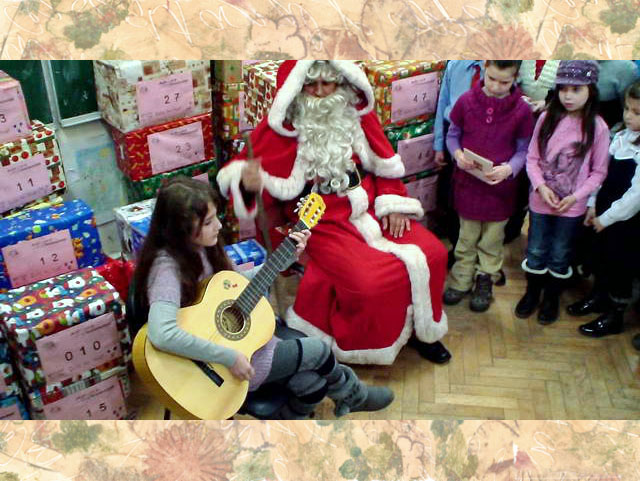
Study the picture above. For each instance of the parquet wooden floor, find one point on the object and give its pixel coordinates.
(502, 367)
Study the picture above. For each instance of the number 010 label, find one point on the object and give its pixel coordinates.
(79, 348)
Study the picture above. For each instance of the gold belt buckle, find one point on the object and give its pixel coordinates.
(359, 180)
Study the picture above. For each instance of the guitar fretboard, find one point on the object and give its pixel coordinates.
(278, 261)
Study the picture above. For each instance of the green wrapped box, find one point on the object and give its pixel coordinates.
(147, 188)
(396, 134)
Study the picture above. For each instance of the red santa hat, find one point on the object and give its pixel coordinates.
(290, 80)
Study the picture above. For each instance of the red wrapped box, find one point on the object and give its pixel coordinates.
(162, 148)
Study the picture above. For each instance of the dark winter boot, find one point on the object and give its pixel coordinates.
(609, 323)
(482, 293)
(531, 299)
(351, 395)
(548, 312)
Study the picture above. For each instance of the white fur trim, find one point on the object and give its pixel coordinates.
(396, 204)
(229, 179)
(528, 269)
(390, 168)
(295, 81)
(562, 276)
(384, 356)
(285, 188)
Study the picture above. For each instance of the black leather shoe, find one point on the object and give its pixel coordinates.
(594, 304)
(609, 323)
(636, 341)
(434, 352)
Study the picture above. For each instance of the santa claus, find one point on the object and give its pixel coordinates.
(375, 276)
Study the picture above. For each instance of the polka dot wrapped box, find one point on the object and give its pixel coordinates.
(65, 329)
(30, 169)
(12, 408)
(42, 243)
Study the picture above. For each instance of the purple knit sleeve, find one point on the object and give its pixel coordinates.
(453, 139)
(518, 159)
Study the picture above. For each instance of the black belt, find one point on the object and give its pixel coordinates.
(356, 177)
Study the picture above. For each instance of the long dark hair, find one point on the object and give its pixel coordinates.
(180, 203)
(555, 113)
(633, 92)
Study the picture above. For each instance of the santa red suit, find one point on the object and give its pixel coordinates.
(363, 291)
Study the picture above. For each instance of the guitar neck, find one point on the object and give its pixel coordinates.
(277, 262)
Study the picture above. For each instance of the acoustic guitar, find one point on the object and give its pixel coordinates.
(231, 312)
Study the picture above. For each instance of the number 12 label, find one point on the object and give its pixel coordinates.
(80, 348)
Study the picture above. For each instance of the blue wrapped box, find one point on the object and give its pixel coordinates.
(12, 408)
(133, 223)
(71, 228)
(246, 252)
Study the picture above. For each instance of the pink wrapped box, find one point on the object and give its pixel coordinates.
(424, 190)
(417, 154)
(14, 118)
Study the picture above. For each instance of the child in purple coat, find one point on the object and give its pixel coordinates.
(493, 121)
(567, 161)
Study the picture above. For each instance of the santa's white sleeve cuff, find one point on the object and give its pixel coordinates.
(229, 179)
(396, 204)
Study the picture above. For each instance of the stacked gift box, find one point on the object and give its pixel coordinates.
(160, 117)
(260, 81)
(11, 404)
(30, 165)
(69, 336)
(406, 93)
(43, 242)
(133, 223)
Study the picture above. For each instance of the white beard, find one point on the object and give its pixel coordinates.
(328, 130)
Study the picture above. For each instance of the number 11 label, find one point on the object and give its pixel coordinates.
(80, 348)
(23, 182)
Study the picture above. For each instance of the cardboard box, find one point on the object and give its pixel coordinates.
(424, 189)
(30, 169)
(162, 148)
(65, 329)
(14, 117)
(133, 94)
(42, 243)
(406, 91)
(260, 82)
(133, 223)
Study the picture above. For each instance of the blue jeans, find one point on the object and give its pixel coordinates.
(550, 246)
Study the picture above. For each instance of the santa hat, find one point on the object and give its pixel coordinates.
(290, 80)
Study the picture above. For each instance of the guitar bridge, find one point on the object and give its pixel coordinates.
(210, 372)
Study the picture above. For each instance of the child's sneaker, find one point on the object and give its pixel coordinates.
(453, 296)
(482, 293)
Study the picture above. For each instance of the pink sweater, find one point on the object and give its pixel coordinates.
(591, 171)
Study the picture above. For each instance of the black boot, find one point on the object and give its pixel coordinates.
(548, 312)
(529, 302)
(435, 352)
(482, 293)
(596, 302)
(609, 323)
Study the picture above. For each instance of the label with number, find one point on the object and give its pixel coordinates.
(10, 412)
(79, 348)
(105, 400)
(163, 99)
(175, 148)
(417, 154)
(202, 178)
(14, 122)
(36, 259)
(425, 191)
(414, 96)
(23, 182)
(243, 124)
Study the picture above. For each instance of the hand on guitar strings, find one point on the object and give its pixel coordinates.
(301, 238)
(242, 368)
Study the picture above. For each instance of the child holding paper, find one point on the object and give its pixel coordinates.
(493, 121)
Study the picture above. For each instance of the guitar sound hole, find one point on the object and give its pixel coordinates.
(231, 322)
